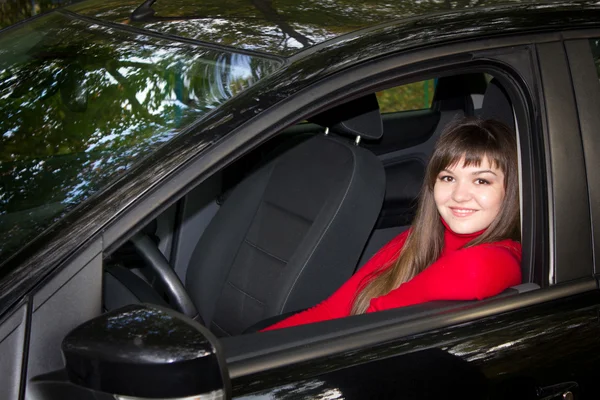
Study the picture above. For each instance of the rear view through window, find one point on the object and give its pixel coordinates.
(410, 97)
(81, 103)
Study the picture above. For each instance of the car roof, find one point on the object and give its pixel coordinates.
(282, 28)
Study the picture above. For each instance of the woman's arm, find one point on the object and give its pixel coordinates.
(473, 273)
(339, 304)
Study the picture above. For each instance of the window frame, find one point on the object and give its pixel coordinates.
(255, 353)
(373, 333)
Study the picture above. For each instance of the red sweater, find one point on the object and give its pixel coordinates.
(473, 273)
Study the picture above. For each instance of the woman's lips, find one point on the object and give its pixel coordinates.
(462, 212)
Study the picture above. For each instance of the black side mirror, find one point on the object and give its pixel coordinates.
(146, 351)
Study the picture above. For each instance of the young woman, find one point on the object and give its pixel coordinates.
(464, 241)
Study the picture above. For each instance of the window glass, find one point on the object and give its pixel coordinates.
(80, 103)
(414, 96)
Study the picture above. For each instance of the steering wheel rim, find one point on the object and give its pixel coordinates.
(158, 263)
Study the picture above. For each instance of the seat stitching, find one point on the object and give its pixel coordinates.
(293, 214)
(326, 228)
(264, 251)
(214, 309)
(243, 292)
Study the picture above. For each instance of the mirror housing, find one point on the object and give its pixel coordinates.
(148, 351)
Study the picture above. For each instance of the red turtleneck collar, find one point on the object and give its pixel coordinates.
(454, 241)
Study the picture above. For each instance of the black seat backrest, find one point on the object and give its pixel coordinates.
(289, 235)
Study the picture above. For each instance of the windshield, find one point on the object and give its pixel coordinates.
(81, 103)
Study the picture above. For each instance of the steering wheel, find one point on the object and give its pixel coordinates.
(160, 266)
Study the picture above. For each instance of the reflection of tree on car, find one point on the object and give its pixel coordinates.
(281, 25)
(84, 102)
(13, 11)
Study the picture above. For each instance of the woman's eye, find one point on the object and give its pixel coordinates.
(482, 182)
(446, 178)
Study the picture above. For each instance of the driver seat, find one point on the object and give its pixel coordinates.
(292, 232)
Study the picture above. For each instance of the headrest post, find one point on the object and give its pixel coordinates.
(358, 117)
(357, 141)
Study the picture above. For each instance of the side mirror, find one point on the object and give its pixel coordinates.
(146, 351)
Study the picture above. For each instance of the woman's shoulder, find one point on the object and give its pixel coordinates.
(511, 245)
(485, 253)
(396, 244)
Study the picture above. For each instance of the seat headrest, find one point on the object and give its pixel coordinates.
(497, 105)
(359, 117)
(454, 92)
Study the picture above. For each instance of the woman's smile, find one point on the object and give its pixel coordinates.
(462, 212)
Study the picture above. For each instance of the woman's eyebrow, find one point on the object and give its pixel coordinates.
(484, 171)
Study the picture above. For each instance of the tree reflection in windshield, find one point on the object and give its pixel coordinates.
(82, 103)
(14, 11)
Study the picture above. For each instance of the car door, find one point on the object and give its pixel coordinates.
(541, 345)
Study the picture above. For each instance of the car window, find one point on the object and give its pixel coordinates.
(81, 103)
(413, 96)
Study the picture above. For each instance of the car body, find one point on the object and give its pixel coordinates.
(541, 343)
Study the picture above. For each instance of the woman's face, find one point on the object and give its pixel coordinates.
(469, 198)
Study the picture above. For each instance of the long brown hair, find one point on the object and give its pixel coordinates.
(471, 138)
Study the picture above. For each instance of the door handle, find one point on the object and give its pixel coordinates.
(560, 391)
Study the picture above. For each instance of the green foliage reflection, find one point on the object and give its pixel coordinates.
(413, 96)
(82, 103)
(13, 11)
(274, 26)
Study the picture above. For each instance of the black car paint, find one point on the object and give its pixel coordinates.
(549, 336)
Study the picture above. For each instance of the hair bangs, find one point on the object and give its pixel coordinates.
(471, 144)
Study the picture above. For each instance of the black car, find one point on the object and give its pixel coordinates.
(177, 175)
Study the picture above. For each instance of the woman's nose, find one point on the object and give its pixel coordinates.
(461, 192)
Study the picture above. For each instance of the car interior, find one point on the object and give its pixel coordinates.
(281, 228)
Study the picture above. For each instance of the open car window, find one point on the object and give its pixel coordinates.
(409, 97)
